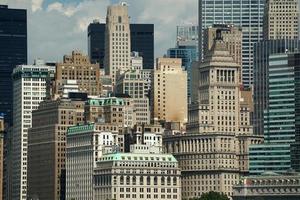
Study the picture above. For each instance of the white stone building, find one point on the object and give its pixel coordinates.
(29, 89)
(141, 174)
(85, 146)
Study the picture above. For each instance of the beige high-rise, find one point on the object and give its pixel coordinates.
(78, 67)
(169, 91)
(213, 154)
(117, 40)
(281, 19)
(47, 147)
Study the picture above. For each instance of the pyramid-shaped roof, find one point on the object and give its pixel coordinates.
(219, 56)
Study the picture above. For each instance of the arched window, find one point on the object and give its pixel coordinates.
(169, 181)
(148, 180)
(122, 180)
(155, 180)
(162, 180)
(134, 180)
(174, 181)
(127, 180)
(141, 180)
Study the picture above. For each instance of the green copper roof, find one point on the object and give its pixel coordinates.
(137, 157)
(106, 101)
(73, 130)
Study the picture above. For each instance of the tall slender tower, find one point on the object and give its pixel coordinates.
(281, 19)
(213, 154)
(13, 51)
(117, 40)
(29, 89)
(235, 12)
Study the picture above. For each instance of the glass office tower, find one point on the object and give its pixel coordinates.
(244, 13)
(280, 116)
(142, 41)
(186, 49)
(262, 51)
(13, 51)
(96, 37)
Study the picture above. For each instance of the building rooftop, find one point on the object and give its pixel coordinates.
(110, 101)
(74, 130)
(137, 157)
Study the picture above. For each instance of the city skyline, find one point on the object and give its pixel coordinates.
(93, 120)
(75, 16)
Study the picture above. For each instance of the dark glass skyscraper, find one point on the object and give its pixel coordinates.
(281, 116)
(13, 51)
(96, 38)
(262, 51)
(142, 41)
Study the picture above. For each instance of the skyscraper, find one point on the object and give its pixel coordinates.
(29, 89)
(117, 40)
(231, 35)
(96, 38)
(213, 154)
(47, 147)
(281, 19)
(141, 38)
(281, 35)
(262, 51)
(13, 51)
(2, 132)
(244, 13)
(142, 41)
(186, 48)
(169, 91)
(281, 116)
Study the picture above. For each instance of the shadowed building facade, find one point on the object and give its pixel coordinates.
(13, 51)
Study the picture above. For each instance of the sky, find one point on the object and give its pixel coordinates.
(56, 27)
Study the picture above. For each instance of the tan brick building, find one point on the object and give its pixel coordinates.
(47, 146)
(78, 67)
(169, 91)
(117, 41)
(281, 19)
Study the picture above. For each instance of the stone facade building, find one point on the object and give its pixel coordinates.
(47, 147)
(169, 91)
(133, 84)
(231, 35)
(268, 186)
(140, 174)
(77, 67)
(213, 154)
(117, 41)
(86, 144)
(281, 19)
(29, 89)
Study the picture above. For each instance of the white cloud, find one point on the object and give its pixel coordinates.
(59, 7)
(36, 5)
(58, 28)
